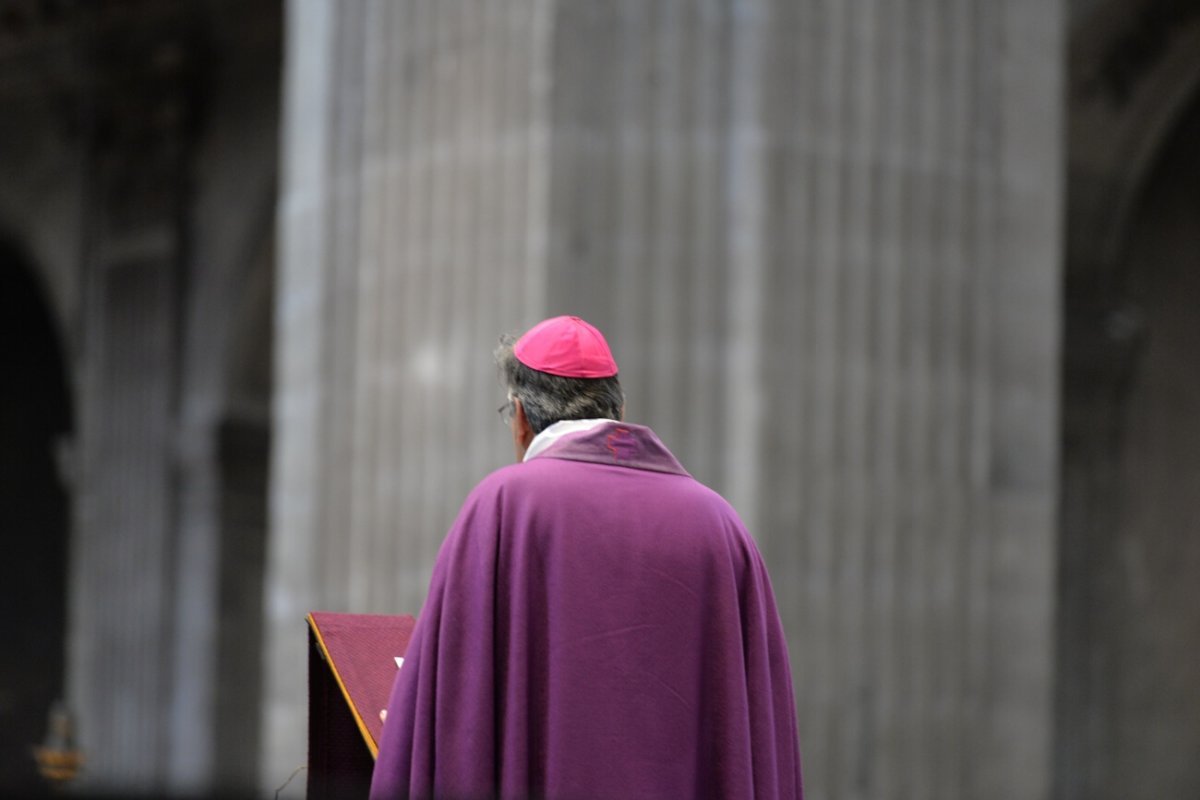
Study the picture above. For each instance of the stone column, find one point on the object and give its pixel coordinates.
(824, 240)
(412, 230)
(122, 563)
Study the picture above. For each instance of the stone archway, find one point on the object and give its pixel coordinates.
(35, 416)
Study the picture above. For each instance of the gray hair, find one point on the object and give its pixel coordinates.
(548, 399)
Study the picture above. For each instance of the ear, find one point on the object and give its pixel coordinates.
(523, 427)
(522, 431)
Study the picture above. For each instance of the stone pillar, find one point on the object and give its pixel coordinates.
(824, 240)
(223, 416)
(412, 231)
(122, 563)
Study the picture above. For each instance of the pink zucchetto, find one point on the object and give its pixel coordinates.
(567, 347)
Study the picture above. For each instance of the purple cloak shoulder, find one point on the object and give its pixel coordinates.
(598, 624)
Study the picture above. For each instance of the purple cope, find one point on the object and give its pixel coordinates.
(599, 625)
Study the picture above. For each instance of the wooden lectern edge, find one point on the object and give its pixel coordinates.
(358, 720)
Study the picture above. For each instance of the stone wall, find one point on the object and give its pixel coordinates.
(140, 159)
(1126, 708)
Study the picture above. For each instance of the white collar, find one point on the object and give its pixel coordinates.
(556, 431)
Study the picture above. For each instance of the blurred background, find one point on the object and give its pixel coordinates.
(914, 284)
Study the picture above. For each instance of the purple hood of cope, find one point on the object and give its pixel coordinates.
(598, 625)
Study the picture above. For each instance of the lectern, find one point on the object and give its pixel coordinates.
(351, 667)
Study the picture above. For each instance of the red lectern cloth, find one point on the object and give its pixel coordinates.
(361, 651)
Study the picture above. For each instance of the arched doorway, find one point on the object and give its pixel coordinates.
(35, 418)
